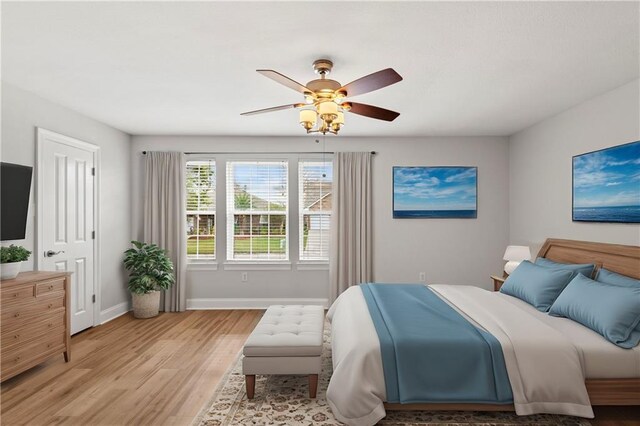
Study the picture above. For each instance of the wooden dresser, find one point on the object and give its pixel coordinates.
(35, 320)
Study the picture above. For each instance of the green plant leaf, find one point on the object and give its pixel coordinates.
(149, 268)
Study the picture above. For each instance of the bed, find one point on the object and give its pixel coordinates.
(591, 370)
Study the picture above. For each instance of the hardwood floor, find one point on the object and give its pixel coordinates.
(160, 371)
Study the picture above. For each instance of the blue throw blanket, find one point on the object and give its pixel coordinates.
(431, 353)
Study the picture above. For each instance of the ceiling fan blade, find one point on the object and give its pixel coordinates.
(276, 108)
(372, 111)
(285, 81)
(371, 82)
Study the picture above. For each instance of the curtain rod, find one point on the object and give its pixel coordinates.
(233, 153)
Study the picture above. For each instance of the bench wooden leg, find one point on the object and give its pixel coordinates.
(313, 385)
(250, 380)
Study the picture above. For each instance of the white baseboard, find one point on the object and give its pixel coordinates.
(250, 303)
(114, 312)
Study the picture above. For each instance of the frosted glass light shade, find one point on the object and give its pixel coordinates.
(517, 253)
(328, 107)
(308, 116)
(339, 119)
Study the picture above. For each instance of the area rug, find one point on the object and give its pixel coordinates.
(284, 400)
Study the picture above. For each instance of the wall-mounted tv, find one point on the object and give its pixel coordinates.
(15, 187)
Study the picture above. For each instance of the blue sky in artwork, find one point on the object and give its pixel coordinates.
(607, 178)
(434, 188)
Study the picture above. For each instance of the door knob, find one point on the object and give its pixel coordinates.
(51, 253)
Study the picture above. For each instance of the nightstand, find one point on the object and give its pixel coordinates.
(497, 282)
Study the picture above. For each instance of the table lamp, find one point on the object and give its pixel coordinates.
(514, 255)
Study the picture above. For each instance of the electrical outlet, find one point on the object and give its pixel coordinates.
(244, 276)
(422, 277)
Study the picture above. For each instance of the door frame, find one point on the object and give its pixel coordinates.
(41, 138)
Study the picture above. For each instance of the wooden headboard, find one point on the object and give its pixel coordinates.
(618, 258)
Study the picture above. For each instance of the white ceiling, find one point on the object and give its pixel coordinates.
(189, 68)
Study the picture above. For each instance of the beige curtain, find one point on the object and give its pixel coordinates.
(164, 218)
(350, 261)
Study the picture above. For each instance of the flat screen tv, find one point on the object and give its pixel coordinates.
(15, 186)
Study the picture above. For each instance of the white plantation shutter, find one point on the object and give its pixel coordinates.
(315, 180)
(201, 209)
(257, 210)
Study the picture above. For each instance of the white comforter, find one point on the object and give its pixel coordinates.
(544, 368)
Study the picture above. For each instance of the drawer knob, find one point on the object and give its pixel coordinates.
(16, 336)
(48, 345)
(50, 287)
(17, 358)
(15, 294)
(50, 305)
(17, 314)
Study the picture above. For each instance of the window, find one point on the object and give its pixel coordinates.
(201, 210)
(257, 210)
(315, 179)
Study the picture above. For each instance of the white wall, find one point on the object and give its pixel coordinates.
(22, 112)
(457, 251)
(540, 164)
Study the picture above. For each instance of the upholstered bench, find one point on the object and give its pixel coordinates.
(287, 340)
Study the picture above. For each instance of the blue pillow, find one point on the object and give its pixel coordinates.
(608, 277)
(585, 269)
(613, 311)
(536, 285)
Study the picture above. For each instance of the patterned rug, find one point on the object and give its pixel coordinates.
(284, 400)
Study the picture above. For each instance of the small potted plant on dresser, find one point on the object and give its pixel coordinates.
(150, 270)
(11, 259)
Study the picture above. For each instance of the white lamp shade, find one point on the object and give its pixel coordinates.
(328, 107)
(511, 266)
(517, 253)
(307, 116)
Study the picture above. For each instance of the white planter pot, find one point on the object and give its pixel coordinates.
(9, 271)
(146, 305)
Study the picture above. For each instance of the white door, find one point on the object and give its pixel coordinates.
(66, 218)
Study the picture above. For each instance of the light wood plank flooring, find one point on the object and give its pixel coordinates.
(160, 371)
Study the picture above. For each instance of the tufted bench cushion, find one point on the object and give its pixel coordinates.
(287, 340)
(294, 330)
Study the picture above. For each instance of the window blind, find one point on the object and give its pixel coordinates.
(315, 180)
(257, 210)
(201, 209)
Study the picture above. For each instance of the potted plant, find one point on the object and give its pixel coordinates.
(150, 270)
(11, 259)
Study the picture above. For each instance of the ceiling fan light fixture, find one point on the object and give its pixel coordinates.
(308, 118)
(338, 122)
(325, 99)
(328, 111)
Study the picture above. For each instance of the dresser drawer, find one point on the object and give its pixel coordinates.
(14, 316)
(17, 294)
(31, 352)
(21, 333)
(49, 287)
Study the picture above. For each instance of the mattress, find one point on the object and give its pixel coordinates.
(600, 358)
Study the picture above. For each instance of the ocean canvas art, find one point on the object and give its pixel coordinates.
(606, 185)
(435, 192)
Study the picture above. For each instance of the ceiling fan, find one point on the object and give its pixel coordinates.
(325, 99)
